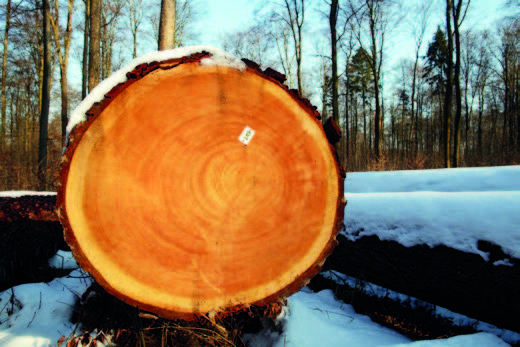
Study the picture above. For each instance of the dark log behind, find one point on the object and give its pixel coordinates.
(29, 235)
(33, 207)
(461, 282)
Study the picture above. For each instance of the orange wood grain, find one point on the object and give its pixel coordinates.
(171, 212)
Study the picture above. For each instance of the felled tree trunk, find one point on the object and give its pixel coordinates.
(198, 189)
(28, 207)
(29, 235)
(462, 282)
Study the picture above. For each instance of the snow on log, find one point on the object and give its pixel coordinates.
(199, 185)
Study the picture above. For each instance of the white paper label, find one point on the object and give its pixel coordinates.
(246, 136)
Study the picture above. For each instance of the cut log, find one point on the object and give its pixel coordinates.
(195, 188)
(28, 207)
(29, 235)
(461, 282)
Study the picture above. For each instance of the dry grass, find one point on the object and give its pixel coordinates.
(124, 325)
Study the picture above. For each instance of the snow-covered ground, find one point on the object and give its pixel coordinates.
(37, 315)
(459, 206)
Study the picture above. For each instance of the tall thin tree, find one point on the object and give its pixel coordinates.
(449, 89)
(63, 57)
(135, 18)
(333, 19)
(86, 41)
(94, 58)
(4, 74)
(457, 6)
(45, 97)
(295, 19)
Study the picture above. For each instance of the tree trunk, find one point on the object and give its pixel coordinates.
(378, 129)
(333, 16)
(458, 95)
(4, 74)
(134, 36)
(204, 207)
(63, 58)
(449, 90)
(467, 113)
(347, 118)
(167, 25)
(479, 129)
(84, 82)
(94, 58)
(413, 124)
(45, 97)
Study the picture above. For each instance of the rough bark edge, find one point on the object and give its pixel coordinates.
(133, 76)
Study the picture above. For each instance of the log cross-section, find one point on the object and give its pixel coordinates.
(170, 210)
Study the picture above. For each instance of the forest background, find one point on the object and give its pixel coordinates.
(412, 85)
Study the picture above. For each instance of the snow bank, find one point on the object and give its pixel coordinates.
(218, 58)
(453, 207)
(318, 319)
(503, 178)
(63, 260)
(480, 340)
(457, 220)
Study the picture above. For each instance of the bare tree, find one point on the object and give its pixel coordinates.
(86, 41)
(167, 25)
(333, 19)
(295, 19)
(253, 43)
(63, 56)
(94, 59)
(110, 14)
(419, 26)
(376, 15)
(449, 89)
(481, 81)
(45, 96)
(281, 34)
(4, 74)
(135, 18)
(457, 6)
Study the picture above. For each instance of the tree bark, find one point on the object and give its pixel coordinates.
(458, 95)
(236, 192)
(94, 58)
(167, 25)
(295, 21)
(86, 35)
(4, 74)
(333, 17)
(378, 127)
(63, 58)
(45, 97)
(449, 90)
